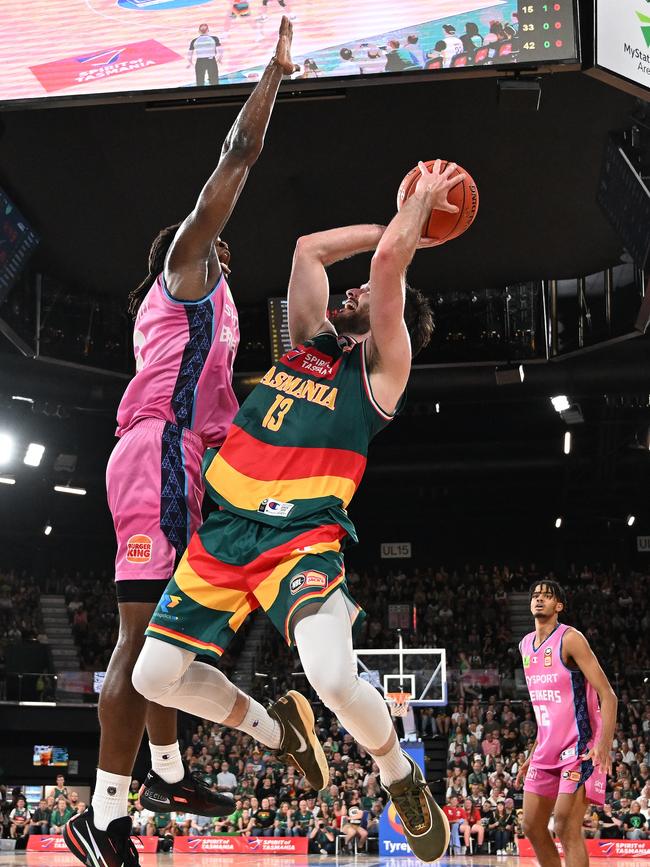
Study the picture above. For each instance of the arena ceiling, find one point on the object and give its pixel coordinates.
(97, 182)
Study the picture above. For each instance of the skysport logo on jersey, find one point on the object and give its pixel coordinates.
(93, 67)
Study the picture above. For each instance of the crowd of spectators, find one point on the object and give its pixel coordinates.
(20, 611)
(92, 611)
(489, 730)
(271, 799)
(18, 819)
(93, 615)
(20, 614)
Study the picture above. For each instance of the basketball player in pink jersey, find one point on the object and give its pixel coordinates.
(575, 709)
(179, 403)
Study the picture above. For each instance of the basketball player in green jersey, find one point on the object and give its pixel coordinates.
(283, 479)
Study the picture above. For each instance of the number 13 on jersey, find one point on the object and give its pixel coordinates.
(276, 412)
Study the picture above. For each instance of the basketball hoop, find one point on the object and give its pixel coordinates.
(398, 703)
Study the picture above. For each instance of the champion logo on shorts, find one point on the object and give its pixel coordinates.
(138, 548)
(307, 579)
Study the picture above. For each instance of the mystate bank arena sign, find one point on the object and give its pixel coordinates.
(623, 39)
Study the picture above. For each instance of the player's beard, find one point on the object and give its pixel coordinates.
(352, 321)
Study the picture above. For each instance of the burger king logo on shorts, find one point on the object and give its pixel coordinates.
(138, 549)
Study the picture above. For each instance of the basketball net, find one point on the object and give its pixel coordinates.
(398, 703)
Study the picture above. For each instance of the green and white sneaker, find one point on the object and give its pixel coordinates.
(300, 746)
(425, 825)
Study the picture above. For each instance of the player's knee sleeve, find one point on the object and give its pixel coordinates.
(324, 642)
(159, 668)
(335, 689)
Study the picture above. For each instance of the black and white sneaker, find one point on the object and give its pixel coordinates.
(190, 795)
(94, 848)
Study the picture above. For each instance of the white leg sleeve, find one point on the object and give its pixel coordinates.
(169, 676)
(324, 642)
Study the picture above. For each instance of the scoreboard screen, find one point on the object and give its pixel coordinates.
(278, 328)
(279, 324)
(55, 50)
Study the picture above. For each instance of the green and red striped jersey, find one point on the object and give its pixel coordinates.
(298, 445)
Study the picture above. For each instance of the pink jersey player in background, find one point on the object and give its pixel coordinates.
(575, 709)
(179, 403)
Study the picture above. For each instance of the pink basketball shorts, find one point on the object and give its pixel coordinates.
(155, 490)
(551, 782)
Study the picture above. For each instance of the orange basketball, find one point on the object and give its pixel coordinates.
(442, 226)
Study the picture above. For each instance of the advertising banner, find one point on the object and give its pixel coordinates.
(241, 845)
(599, 848)
(56, 843)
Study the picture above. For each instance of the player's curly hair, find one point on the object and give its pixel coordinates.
(157, 255)
(419, 319)
(549, 587)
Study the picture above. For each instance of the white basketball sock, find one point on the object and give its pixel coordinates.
(110, 798)
(258, 724)
(393, 765)
(166, 762)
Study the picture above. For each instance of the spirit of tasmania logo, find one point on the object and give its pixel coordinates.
(97, 66)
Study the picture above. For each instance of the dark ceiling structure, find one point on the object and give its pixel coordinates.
(98, 182)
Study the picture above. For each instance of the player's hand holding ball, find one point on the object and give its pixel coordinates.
(434, 185)
(453, 199)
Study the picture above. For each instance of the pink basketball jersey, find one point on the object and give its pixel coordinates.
(184, 354)
(565, 703)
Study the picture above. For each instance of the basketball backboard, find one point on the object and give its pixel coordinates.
(421, 672)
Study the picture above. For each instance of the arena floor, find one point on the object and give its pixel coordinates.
(37, 859)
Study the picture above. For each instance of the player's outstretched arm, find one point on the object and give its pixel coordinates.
(186, 268)
(308, 284)
(390, 346)
(577, 648)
